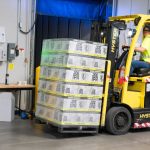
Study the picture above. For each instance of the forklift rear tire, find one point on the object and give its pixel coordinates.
(118, 120)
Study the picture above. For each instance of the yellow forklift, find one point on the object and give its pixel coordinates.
(126, 98)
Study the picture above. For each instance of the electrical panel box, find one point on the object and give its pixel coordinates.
(2, 35)
(11, 51)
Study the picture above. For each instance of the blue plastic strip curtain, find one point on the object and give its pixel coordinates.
(80, 9)
(109, 9)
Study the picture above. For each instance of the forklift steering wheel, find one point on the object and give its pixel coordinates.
(125, 48)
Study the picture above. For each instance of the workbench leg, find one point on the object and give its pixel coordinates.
(32, 103)
(19, 102)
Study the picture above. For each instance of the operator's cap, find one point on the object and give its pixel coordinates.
(146, 27)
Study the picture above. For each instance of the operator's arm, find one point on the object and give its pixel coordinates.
(145, 45)
(139, 49)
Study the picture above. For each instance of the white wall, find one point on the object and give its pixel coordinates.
(8, 19)
(149, 7)
(123, 7)
(126, 7)
(140, 7)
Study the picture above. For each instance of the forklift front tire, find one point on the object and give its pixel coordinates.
(118, 120)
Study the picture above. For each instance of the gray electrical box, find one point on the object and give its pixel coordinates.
(11, 51)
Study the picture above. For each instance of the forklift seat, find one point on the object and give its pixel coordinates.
(141, 72)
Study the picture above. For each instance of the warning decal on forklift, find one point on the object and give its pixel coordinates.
(142, 125)
(148, 88)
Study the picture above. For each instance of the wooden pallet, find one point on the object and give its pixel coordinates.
(71, 128)
(78, 129)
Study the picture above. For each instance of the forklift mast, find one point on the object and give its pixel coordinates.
(113, 49)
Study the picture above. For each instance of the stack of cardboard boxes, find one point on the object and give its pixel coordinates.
(71, 82)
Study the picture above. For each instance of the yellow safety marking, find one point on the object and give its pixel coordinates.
(10, 66)
(68, 109)
(75, 67)
(71, 81)
(70, 95)
(68, 123)
(73, 52)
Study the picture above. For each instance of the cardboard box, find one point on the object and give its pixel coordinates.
(67, 118)
(95, 91)
(73, 89)
(99, 64)
(67, 88)
(44, 59)
(76, 46)
(43, 71)
(74, 75)
(41, 97)
(69, 104)
(44, 113)
(40, 111)
(7, 106)
(73, 61)
(42, 84)
(104, 50)
(76, 118)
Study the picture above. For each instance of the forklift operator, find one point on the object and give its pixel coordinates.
(144, 61)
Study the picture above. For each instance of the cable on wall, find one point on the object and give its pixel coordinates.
(27, 32)
(20, 22)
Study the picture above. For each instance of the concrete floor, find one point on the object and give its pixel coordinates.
(26, 135)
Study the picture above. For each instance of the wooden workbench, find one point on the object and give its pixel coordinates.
(17, 87)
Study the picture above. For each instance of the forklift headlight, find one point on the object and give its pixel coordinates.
(130, 33)
(102, 34)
